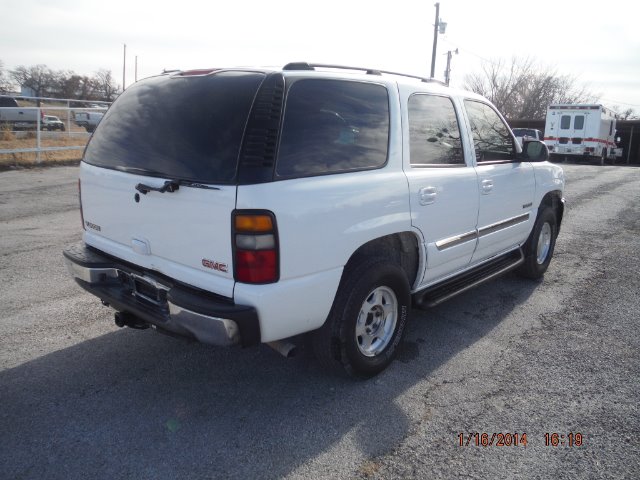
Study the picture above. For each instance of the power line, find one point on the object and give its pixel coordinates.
(463, 49)
(621, 103)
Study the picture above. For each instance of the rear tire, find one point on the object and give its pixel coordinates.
(603, 157)
(367, 320)
(540, 245)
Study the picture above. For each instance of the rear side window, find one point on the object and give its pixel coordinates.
(565, 122)
(434, 135)
(333, 126)
(578, 122)
(491, 137)
(8, 102)
(186, 128)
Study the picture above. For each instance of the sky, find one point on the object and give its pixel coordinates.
(596, 42)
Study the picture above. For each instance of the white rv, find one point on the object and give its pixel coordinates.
(587, 131)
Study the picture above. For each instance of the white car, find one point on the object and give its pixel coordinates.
(311, 199)
(527, 134)
(50, 122)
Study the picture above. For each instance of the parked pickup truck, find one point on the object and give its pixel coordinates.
(88, 120)
(311, 199)
(16, 117)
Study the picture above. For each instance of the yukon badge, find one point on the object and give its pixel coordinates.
(93, 226)
(221, 267)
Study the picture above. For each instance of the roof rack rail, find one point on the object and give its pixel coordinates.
(369, 71)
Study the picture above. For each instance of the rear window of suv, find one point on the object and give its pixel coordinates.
(178, 127)
(333, 126)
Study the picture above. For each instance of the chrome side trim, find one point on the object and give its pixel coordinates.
(502, 225)
(466, 237)
(456, 240)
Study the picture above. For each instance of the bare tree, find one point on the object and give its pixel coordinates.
(106, 86)
(625, 114)
(39, 78)
(72, 85)
(45, 82)
(522, 89)
(5, 84)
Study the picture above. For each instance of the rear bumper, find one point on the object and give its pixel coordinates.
(157, 300)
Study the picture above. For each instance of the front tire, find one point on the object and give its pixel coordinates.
(367, 320)
(540, 245)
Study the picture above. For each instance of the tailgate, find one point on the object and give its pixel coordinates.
(185, 234)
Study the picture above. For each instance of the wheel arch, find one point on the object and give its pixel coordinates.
(400, 248)
(555, 201)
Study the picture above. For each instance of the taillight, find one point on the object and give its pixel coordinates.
(255, 243)
(80, 200)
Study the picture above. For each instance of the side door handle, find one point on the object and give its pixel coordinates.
(486, 186)
(427, 195)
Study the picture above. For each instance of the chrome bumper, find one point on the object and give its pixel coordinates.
(180, 310)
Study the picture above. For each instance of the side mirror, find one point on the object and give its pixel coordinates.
(535, 151)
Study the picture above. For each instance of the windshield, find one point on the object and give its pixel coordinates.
(177, 127)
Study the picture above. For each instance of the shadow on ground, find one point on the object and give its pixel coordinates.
(133, 404)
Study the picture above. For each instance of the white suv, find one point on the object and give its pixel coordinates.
(247, 206)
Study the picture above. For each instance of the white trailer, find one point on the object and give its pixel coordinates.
(581, 130)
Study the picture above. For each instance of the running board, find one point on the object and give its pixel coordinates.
(436, 294)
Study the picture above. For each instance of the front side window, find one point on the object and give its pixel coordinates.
(565, 122)
(491, 137)
(434, 134)
(578, 122)
(333, 126)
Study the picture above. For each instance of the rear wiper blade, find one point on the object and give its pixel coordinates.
(171, 186)
(140, 171)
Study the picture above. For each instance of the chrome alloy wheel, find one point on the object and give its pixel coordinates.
(376, 321)
(544, 243)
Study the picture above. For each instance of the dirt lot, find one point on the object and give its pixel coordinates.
(83, 399)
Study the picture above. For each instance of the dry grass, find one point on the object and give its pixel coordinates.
(10, 140)
(18, 140)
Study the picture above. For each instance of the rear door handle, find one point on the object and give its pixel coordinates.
(427, 195)
(487, 186)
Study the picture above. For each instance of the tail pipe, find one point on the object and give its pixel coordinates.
(284, 348)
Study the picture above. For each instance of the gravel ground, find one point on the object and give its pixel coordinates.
(81, 398)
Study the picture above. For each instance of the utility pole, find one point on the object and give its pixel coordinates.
(435, 40)
(124, 66)
(447, 72)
